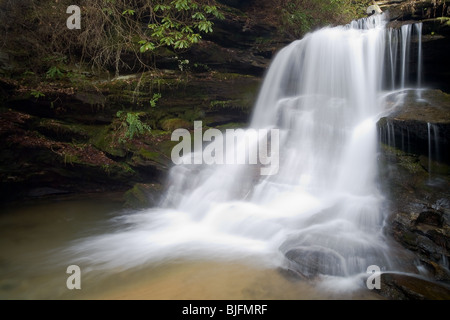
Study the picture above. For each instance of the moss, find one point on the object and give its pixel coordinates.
(193, 115)
(63, 132)
(239, 104)
(409, 238)
(232, 125)
(434, 108)
(403, 170)
(126, 168)
(434, 167)
(158, 133)
(142, 195)
(176, 123)
(147, 154)
(228, 75)
(166, 147)
(106, 141)
(70, 159)
(444, 20)
(411, 164)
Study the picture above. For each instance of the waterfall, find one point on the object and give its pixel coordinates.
(419, 59)
(433, 151)
(321, 213)
(400, 55)
(406, 33)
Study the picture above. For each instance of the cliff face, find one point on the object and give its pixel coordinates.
(62, 134)
(435, 16)
(414, 156)
(415, 175)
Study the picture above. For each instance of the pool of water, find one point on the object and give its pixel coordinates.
(34, 260)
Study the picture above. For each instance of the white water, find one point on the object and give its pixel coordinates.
(322, 209)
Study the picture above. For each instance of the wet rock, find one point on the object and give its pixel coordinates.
(415, 175)
(6, 64)
(407, 9)
(62, 132)
(431, 217)
(417, 220)
(40, 192)
(419, 122)
(143, 195)
(435, 43)
(435, 16)
(408, 287)
(312, 261)
(173, 124)
(230, 59)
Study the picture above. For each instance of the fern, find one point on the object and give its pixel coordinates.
(132, 124)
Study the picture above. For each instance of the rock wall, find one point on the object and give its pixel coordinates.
(435, 16)
(415, 175)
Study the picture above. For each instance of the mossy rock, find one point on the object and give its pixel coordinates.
(232, 125)
(176, 123)
(410, 287)
(142, 195)
(193, 115)
(144, 157)
(435, 166)
(105, 141)
(62, 132)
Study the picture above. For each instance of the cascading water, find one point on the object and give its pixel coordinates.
(321, 213)
(433, 145)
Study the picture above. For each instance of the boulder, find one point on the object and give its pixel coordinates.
(312, 261)
(410, 287)
(143, 195)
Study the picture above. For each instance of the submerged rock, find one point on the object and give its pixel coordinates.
(315, 260)
(143, 195)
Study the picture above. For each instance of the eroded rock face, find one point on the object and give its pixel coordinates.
(68, 138)
(435, 16)
(415, 177)
(413, 9)
(422, 122)
(406, 287)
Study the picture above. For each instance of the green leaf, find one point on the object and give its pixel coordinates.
(37, 94)
(205, 26)
(187, 29)
(199, 16)
(129, 12)
(181, 44)
(181, 5)
(194, 38)
(146, 46)
(168, 41)
(161, 7)
(155, 99)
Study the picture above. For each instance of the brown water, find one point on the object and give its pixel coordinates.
(32, 265)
